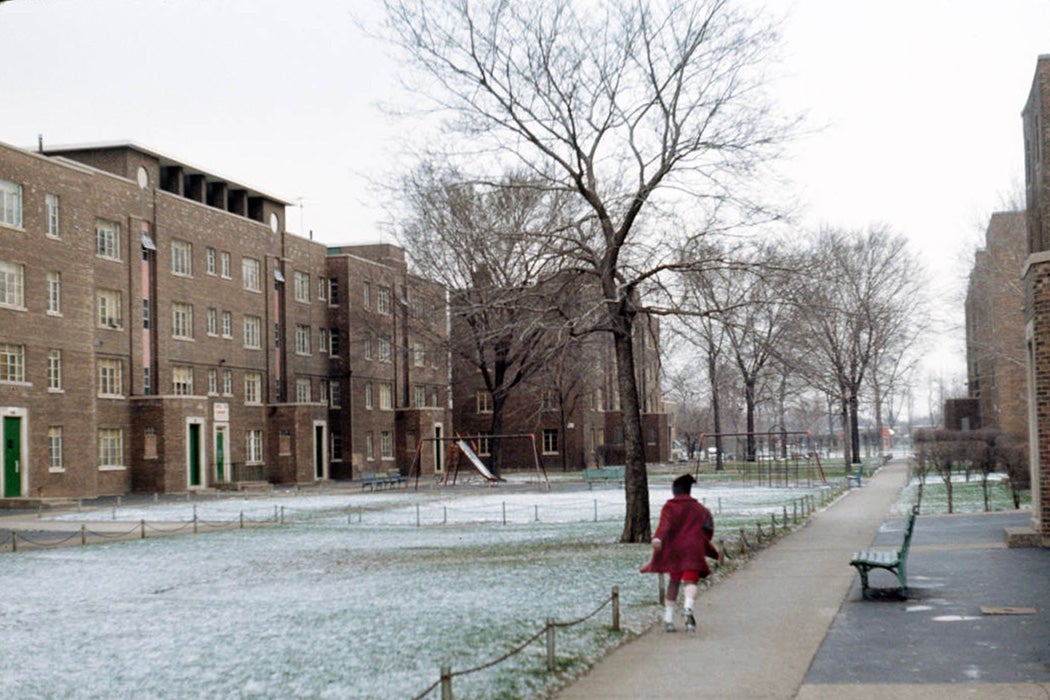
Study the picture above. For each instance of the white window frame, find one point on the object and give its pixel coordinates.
(386, 396)
(110, 378)
(107, 239)
(181, 258)
(110, 308)
(213, 382)
(212, 321)
(302, 286)
(550, 441)
(227, 382)
(12, 363)
(54, 293)
(224, 265)
(383, 297)
(420, 396)
(181, 321)
(253, 332)
(12, 284)
(253, 447)
(182, 380)
(419, 353)
(483, 398)
(209, 260)
(303, 390)
(250, 274)
(110, 448)
(302, 339)
(227, 324)
(386, 445)
(369, 396)
(54, 449)
(51, 205)
(54, 369)
(252, 388)
(384, 350)
(10, 204)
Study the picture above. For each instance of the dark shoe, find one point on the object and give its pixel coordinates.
(669, 627)
(690, 622)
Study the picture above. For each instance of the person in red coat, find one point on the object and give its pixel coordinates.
(681, 546)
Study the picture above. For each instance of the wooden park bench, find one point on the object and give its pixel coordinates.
(374, 480)
(603, 474)
(896, 562)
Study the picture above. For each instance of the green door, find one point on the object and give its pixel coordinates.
(195, 454)
(220, 454)
(12, 457)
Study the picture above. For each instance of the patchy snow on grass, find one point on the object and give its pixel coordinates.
(337, 606)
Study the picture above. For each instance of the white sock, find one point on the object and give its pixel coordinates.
(688, 606)
(669, 613)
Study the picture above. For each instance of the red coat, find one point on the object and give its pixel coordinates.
(686, 528)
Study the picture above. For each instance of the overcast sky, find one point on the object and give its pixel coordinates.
(916, 103)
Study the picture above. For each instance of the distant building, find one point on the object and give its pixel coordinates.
(161, 331)
(1036, 120)
(995, 328)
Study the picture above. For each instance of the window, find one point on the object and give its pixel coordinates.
(54, 293)
(181, 258)
(110, 311)
(303, 390)
(550, 441)
(322, 389)
(110, 447)
(182, 380)
(419, 353)
(550, 399)
(367, 299)
(209, 260)
(147, 380)
(182, 321)
(51, 205)
(224, 265)
(252, 331)
(54, 370)
(253, 447)
(337, 448)
(54, 448)
(12, 284)
(484, 400)
(322, 288)
(107, 239)
(333, 338)
(368, 346)
(10, 204)
(386, 396)
(322, 340)
(369, 403)
(335, 390)
(227, 382)
(384, 348)
(333, 291)
(370, 448)
(145, 314)
(302, 339)
(386, 445)
(421, 396)
(149, 443)
(12, 362)
(213, 382)
(252, 387)
(250, 274)
(213, 321)
(110, 378)
(484, 445)
(434, 398)
(227, 324)
(383, 299)
(302, 286)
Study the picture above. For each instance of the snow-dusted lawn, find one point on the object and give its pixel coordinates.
(350, 599)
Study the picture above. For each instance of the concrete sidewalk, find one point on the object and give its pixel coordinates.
(761, 630)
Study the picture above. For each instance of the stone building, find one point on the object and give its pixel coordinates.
(1036, 123)
(995, 335)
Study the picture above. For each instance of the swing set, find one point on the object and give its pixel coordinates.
(464, 448)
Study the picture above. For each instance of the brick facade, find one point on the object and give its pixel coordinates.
(1036, 119)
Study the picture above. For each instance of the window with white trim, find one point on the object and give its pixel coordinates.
(386, 445)
(303, 390)
(10, 203)
(253, 447)
(182, 380)
(224, 265)
(550, 441)
(484, 401)
(182, 321)
(368, 346)
(54, 292)
(366, 300)
(212, 321)
(182, 258)
(420, 396)
(213, 382)
(209, 260)
(51, 207)
(250, 274)
(302, 339)
(227, 382)
(322, 288)
(12, 362)
(252, 388)
(386, 397)
(54, 448)
(335, 391)
(383, 299)
(107, 239)
(252, 332)
(369, 400)
(302, 286)
(370, 447)
(54, 369)
(110, 309)
(227, 324)
(110, 447)
(419, 353)
(384, 352)
(322, 389)
(110, 378)
(12, 284)
(322, 340)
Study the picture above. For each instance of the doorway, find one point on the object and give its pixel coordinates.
(12, 457)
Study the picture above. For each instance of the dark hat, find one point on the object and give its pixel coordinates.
(683, 484)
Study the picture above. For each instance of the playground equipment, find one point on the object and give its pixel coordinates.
(462, 447)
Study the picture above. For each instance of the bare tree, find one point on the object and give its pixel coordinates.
(637, 108)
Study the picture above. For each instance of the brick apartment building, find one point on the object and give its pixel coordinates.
(161, 331)
(1036, 121)
(572, 407)
(995, 335)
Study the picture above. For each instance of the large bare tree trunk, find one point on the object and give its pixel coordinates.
(636, 526)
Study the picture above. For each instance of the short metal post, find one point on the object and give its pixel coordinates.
(242, 519)
(446, 683)
(418, 523)
(83, 535)
(194, 523)
(142, 529)
(536, 510)
(504, 512)
(596, 510)
(282, 515)
(14, 541)
(616, 608)
(550, 645)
